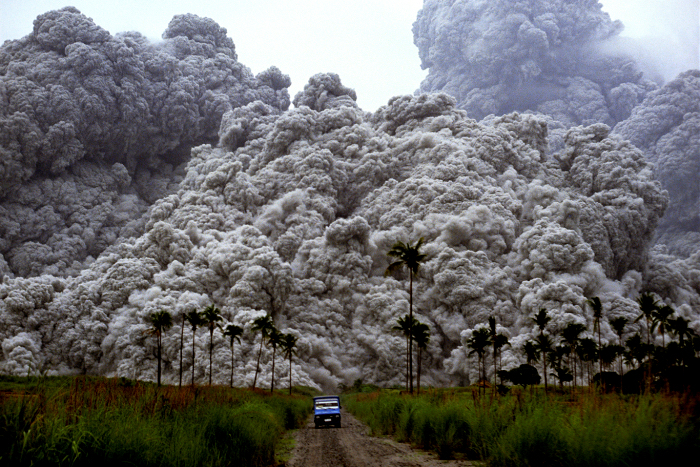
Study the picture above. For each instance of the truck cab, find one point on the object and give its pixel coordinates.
(327, 411)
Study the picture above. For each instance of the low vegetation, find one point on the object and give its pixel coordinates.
(96, 421)
(524, 429)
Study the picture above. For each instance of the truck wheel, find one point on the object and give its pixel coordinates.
(337, 424)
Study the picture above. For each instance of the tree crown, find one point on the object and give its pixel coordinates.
(407, 255)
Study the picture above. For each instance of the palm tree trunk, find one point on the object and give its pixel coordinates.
(544, 369)
(494, 368)
(257, 367)
(600, 359)
(482, 373)
(193, 335)
(231, 384)
(410, 332)
(419, 368)
(663, 337)
(211, 348)
(647, 384)
(290, 373)
(478, 373)
(182, 344)
(573, 366)
(272, 385)
(160, 346)
(406, 369)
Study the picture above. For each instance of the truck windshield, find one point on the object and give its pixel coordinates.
(327, 405)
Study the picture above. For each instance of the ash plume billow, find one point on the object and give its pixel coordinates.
(94, 128)
(666, 126)
(549, 56)
(291, 212)
(566, 60)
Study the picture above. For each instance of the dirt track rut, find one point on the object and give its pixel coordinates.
(351, 446)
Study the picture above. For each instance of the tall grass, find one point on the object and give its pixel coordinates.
(95, 421)
(538, 431)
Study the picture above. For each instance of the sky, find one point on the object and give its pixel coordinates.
(368, 43)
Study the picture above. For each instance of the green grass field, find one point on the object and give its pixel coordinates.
(521, 429)
(96, 421)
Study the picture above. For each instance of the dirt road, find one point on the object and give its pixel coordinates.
(351, 446)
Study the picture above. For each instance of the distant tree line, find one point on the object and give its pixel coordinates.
(211, 319)
(633, 364)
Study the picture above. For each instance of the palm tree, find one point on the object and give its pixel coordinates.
(618, 324)
(541, 319)
(182, 346)
(608, 355)
(587, 351)
(531, 352)
(661, 319)
(501, 340)
(233, 332)
(561, 372)
(647, 306)
(492, 336)
(545, 345)
(409, 256)
(421, 334)
(264, 325)
(288, 344)
(636, 350)
(194, 318)
(274, 339)
(160, 321)
(680, 327)
(571, 334)
(597, 308)
(686, 353)
(405, 326)
(211, 317)
(478, 343)
(533, 356)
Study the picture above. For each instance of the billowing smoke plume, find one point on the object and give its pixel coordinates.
(548, 56)
(292, 215)
(667, 127)
(94, 128)
(563, 59)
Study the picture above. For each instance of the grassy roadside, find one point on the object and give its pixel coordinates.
(533, 430)
(285, 448)
(87, 421)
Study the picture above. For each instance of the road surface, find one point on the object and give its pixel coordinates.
(351, 446)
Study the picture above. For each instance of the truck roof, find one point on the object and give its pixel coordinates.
(326, 397)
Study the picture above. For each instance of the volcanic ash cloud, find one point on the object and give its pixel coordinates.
(94, 128)
(556, 57)
(292, 215)
(667, 127)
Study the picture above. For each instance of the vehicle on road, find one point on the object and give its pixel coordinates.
(327, 411)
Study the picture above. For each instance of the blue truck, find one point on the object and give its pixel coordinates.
(327, 411)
